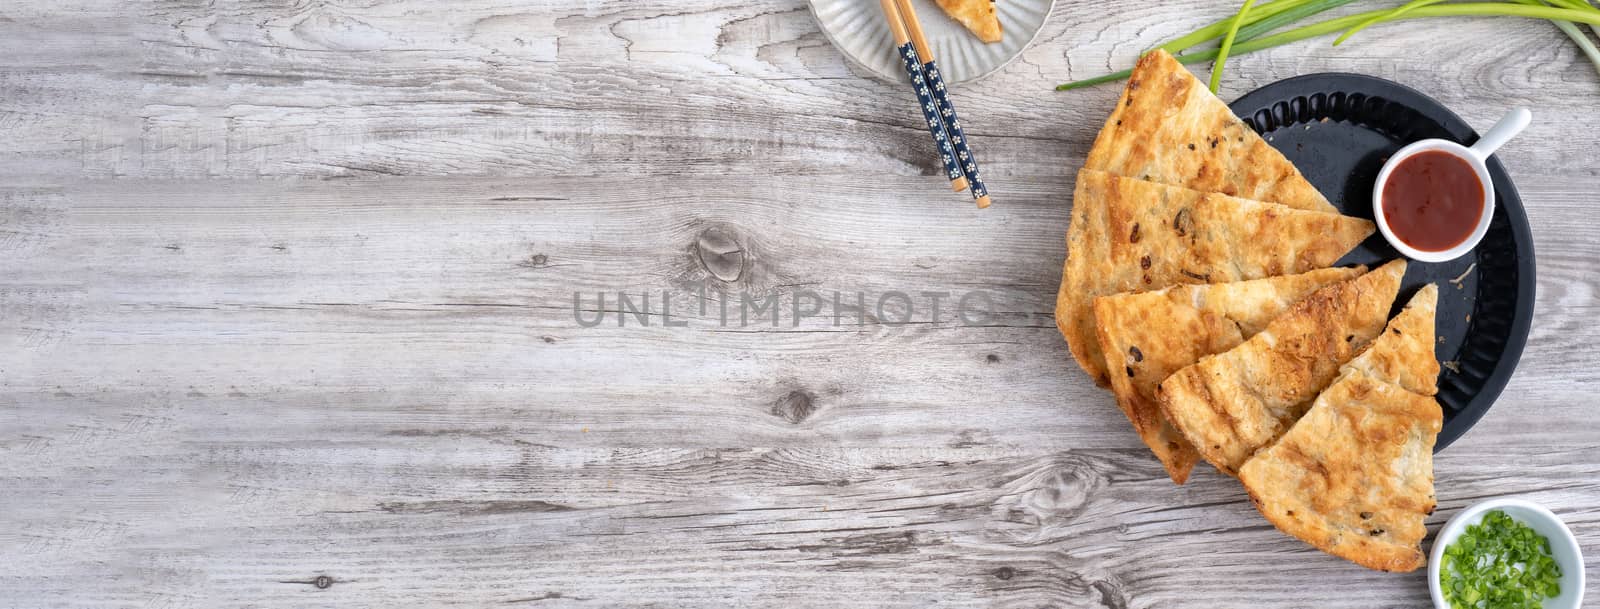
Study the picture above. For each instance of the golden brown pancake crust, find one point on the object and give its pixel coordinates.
(1354, 477)
(1231, 404)
(1130, 235)
(1167, 127)
(1403, 354)
(1153, 334)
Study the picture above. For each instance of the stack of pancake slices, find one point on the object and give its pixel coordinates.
(1199, 288)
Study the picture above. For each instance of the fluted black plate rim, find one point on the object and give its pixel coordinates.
(1338, 128)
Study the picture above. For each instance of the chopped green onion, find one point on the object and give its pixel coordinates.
(1499, 563)
(1227, 43)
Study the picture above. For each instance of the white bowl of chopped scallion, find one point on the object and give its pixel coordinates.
(1506, 553)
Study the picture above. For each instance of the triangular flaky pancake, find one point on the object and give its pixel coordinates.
(1403, 355)
(1231, 404)
(1153, 334)
(1168, 128)
(1354, 476)
(978, 16)
(1130, 235)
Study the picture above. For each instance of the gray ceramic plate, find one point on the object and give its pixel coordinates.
(858, 29)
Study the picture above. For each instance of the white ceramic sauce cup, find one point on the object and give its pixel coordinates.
(1563, 547)
(1476, 156)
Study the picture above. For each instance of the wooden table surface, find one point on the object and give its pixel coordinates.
(287, 315)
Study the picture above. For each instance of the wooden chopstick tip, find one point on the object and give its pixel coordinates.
(983, 202)
(908, 14)
(897, 24)
(958, 184)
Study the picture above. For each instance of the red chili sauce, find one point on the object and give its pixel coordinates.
(1433, 200)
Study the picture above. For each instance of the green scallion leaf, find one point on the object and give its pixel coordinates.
(1216, 29)
(1574, 33)
(1342, 23)
(1401, 10)
(1255, 28)
(1227, 44)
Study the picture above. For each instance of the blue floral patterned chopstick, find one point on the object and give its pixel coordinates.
(930, 113)
(958, 138)
(930, 84)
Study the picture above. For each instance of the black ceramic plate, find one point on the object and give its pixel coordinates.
(1339, 129)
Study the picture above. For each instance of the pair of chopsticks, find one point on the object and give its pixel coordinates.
(959, 163)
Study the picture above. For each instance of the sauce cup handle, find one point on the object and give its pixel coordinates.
(1509, 126)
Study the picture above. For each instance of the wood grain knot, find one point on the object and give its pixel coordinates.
(1005, 573)
(322, 581)
(795, 406)
(721, 253)
(1065, 491)
(1110, 595)
(535, 261)
(1056, 491)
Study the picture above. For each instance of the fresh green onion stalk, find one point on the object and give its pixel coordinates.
(1227, 45)
(1248, 26)
(1572, 31)
(1403, 9)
